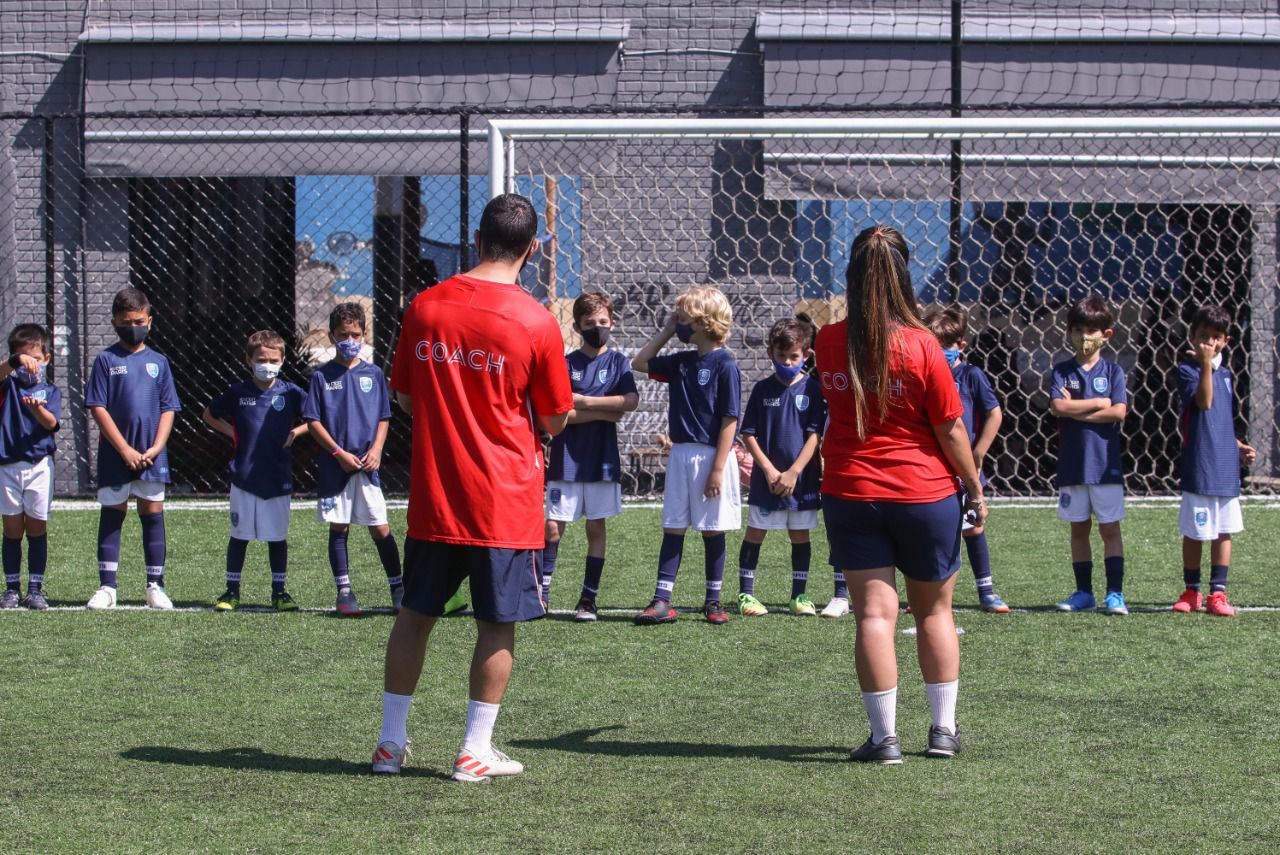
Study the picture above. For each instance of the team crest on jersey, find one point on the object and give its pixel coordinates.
(574, 374)
(366, 384)
(602, 375)
(40, 395)
(704, 376)
(802, 402)
(1202, 517)
(1100, 385)
(277, 403)
(153, 369)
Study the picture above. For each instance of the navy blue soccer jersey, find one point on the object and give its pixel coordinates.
(1088, 453)
(22, 438)
(782, 418)
(1210, 462)
(976, 394)
(134, 389)
(703, 390)
(589, 451)
(349, 402)
(262, 421)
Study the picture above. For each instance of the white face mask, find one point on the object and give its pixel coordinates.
(1217, 362)
(265, 371)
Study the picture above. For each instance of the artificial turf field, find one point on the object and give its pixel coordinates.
(137, 731)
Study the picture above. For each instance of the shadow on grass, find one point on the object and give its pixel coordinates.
(262, 761)
(585, 742)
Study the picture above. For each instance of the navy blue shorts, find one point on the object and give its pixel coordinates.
(504, 582)
(921, 540)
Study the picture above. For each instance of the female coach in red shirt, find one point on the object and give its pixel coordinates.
(892, 450)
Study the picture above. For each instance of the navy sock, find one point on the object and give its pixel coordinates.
(12, 559)
(980, 563)
(278, 556)
(110, 523)
(714, 546)
(338, 559)
(801, 553)
(668, 565)
(550, 554)
(748, 559)
(842, 587)
(1084, 575)
(236, 549)
(1115, 573)
(37, 560)
(1217, 577)
(591, 581)
(389, 555)
(153, 546)
(1191, 578)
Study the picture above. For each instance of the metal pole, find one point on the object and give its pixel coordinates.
(497, 160)
(464, 192)
(955, 209)
(549, 251)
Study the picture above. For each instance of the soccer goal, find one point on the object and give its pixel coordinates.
(1011, 218)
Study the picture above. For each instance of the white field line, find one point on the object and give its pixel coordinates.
(569, 612)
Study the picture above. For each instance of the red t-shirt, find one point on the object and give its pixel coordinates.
(479, 359)
(900, 460)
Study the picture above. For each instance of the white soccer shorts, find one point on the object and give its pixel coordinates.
(360, 503)
(784, 520)
(151, 491)
(26, 488)
(1079, 502)
(1206, 517)
(256, 518)
(684, 506)
(568, 501)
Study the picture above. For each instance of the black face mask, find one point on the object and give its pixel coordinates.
(133, 334)
(596, 336)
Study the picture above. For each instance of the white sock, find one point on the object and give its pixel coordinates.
(882, 711)
(395, 718)
(942, 701)
(480, 721)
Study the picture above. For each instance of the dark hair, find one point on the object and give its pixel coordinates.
(347, 313)
(507, 227)
(129, 300)
(949, 325)
(881, 300)
(790, 332)
(1091, 313)
(1214, 318)
(589, 304)
(263, 338)
(24, 335)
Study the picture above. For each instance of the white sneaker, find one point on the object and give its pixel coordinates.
(388, 758)
(157, 598)
(837, 608)
(103, 598)
(477, 767)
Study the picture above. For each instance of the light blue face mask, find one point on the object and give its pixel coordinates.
(952, 354)
(26, 378)
(787, 373)
(349, 349)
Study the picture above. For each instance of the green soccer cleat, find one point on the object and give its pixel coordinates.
(455, 604)
(282, 602)
(228, 602)
(802, 606)
(749, 606)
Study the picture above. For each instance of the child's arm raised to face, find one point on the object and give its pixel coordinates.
(1203, 355)
(41, 414)
(651, 347)
(107, 427)
(724, 449)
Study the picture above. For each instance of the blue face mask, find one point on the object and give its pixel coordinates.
(952, 354)
(348, 349)
(787, 373)
(26, 378)
(684, 332)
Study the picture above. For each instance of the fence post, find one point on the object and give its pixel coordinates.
(1263, 382)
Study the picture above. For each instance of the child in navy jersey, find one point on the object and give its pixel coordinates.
(1088, 396)
(780, 428)
(262, 417)
(1210, 462)
(584, 468)
(982, 418)
(30, 409)
(132, 399)
(348, 411)
(701, 489)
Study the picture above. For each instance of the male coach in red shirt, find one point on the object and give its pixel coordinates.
(477, 363)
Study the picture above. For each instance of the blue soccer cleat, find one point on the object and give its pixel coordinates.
(1080, 601)
(1114, 604)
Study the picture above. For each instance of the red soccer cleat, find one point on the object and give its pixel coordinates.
(715, 612)
(659, 611)
(1218, 605)
(1190, 601)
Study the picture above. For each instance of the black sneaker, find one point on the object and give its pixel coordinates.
(887, 753)
(585, 612)
(35, 601)
(10, 599)
(943, 743)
